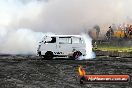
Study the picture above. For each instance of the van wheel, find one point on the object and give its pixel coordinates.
(77, 54)
(48, 55)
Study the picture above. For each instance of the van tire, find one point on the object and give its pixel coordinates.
(76, 54)
(48, 55)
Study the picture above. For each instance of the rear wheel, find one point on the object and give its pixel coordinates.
(48, 55)
(77, 54)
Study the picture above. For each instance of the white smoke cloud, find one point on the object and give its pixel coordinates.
(62, 15)
(57, 16)
(14, 37)
(89, 52)
(21, 41)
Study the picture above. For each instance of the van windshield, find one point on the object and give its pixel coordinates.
(51, 40)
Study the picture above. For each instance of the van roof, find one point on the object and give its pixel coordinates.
(64, 35)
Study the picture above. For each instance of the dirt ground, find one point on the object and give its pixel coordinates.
(32, 72)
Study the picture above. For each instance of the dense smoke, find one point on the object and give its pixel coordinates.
(21, 21)
(89, 52)
(62, 15)
(21, 41)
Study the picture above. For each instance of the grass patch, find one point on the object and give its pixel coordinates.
(104, 47)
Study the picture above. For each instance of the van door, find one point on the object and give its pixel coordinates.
(50, 44)
(65, 45)
(78, 44)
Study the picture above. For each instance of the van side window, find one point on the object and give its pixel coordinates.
(64, 40)
(76, 40)
(53, 40)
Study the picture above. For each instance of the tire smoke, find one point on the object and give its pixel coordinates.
(89, 52)
(20, 41)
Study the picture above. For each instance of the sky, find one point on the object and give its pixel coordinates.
(23, 22)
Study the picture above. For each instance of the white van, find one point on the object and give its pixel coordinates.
(62, 46)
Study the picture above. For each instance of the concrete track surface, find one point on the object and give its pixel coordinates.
(32, 72)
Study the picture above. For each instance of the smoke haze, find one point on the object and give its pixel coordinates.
(21, 41)
(22, 21)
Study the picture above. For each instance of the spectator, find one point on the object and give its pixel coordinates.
(130, 30)
(97, 30)
(111, 32)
